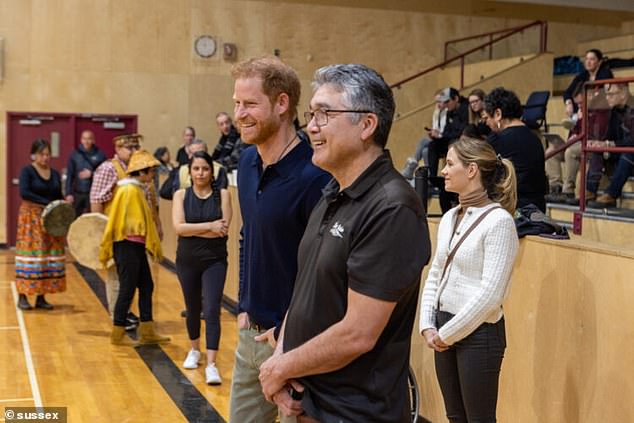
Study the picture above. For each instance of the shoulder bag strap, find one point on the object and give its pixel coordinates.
(452, 253)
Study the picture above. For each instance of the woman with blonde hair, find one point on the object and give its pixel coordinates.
(461, 304)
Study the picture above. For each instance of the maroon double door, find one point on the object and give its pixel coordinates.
(63, 131)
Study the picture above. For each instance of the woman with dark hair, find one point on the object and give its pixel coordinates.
(516, 142)
(595, 68)
(201, 215)
(162, 154)
(39, 257)
(461, 314)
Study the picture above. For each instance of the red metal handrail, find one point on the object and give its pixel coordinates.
(461, 56)
(490, 36)
(585, 149)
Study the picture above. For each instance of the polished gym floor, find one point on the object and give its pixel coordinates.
(63, 357)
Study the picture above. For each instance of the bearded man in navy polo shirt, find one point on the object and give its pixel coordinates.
(278, 187)
(347, 334)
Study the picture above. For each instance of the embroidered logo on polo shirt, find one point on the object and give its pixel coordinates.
(337, 230)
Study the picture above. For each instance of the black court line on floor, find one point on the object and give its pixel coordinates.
(185, 395)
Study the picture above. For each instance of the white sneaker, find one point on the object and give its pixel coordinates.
(212, 376)
(191, 362)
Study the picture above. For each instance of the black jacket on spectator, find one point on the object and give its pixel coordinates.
(621, 124)
(225, 145)
(522, 147)
(457, 119)
(79, 160)
(181, 156)
(604, 72)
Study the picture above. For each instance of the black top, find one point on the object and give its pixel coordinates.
(604, 72)
(181, 156)
(457, 119)
(520, 145)
(372, 238)
(79, 160)
(621, 124)
(194, 249)
(37, 189)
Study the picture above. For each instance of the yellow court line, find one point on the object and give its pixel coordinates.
(35, 390)
(9, 327)
(16, 400)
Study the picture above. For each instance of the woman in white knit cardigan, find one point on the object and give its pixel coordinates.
(461, 312)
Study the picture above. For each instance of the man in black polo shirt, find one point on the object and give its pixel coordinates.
(346, 336)
(278, 187)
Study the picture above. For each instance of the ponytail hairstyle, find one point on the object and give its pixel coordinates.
(206, 157)
(496, 174)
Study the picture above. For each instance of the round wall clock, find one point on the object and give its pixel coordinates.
(205, 46)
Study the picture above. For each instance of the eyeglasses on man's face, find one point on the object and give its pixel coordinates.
(321, 115)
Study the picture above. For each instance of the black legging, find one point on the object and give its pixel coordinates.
(468, 373)
(134, 272)
(209, 280)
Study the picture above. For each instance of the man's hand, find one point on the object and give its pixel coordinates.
(271, 379)
(243, 320)
(434, 133)
(288, 406)
(269, 336)
(69, 199)
(570, 108)
(85, 174)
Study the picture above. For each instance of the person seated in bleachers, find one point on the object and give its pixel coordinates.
(439, 120)
(595, 68)
(476, 106)
(620, 133)
(457, 118)
(562, 189)
(516, 142)
(598, 114)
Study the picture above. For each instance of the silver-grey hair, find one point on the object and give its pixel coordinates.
(199, 141)
(363, 89)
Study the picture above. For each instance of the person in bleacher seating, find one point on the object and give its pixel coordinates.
(516, 142)
(562, 189)
(620, 127)
(596, 68)
(597, 116)
(476, 106)
(438, 122)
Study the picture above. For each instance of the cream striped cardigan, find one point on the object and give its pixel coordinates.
(478, 278)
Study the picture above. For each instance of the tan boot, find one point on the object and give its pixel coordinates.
(147, 334)
(118, 337)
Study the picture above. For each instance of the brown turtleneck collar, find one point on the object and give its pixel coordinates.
(477, 198)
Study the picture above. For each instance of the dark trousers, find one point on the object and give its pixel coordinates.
(197, 281)
(468, 373)
(596, 167)
(437, 149)
(134, 272)
(81, 202)
(623, 170)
